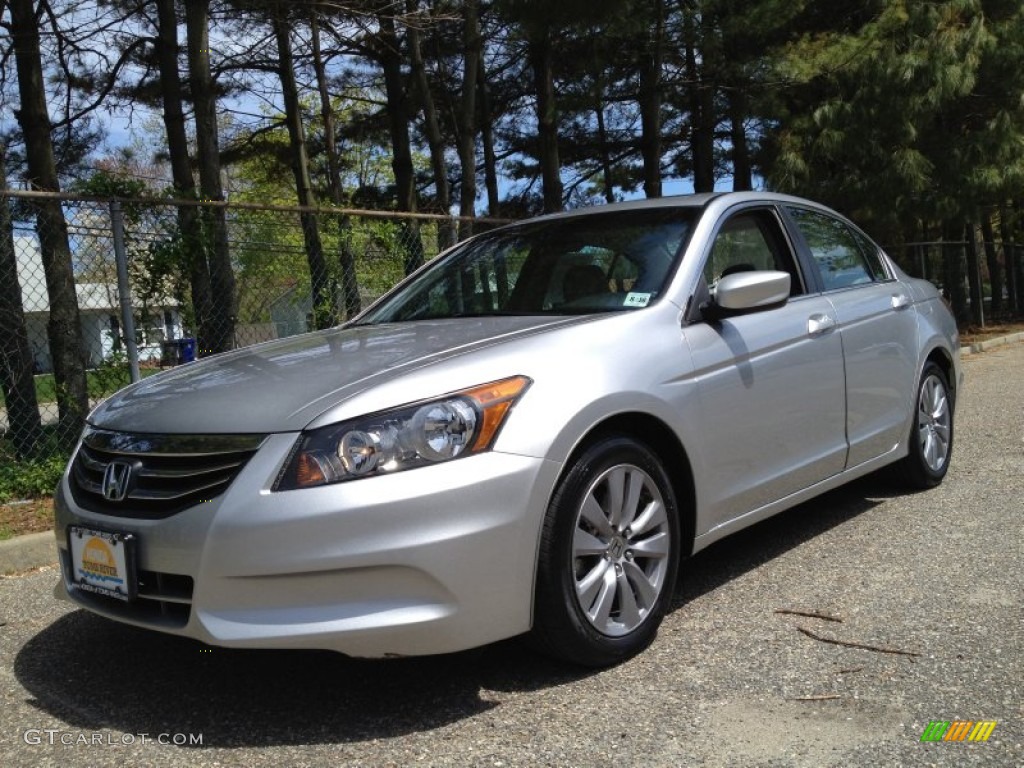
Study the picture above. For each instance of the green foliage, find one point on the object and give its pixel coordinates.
(34, 477)
(108, 183)
(913, 116)
(30, 479)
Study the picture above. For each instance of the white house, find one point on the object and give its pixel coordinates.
(100, 312)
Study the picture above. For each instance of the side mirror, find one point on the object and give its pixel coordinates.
(750, 291)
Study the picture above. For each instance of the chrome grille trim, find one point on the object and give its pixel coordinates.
(169, 473)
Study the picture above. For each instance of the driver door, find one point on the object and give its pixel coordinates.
(770, 383)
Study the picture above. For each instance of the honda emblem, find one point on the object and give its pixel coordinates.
(116, 477)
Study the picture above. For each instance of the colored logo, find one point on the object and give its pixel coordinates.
(98, 561)
(115, 480)
(958, 730)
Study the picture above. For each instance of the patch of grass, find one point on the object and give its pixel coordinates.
(27, 485)
(100, 381)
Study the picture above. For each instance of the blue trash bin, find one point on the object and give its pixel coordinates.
(188, 349)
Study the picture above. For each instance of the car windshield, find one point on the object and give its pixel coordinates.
(607, 262)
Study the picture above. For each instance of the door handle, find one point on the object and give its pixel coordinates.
(900, 301)
(818, 324)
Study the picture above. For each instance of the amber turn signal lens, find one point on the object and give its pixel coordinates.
(308, 471)
(494, 401)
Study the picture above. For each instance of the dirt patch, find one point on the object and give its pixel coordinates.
(816, 733)
(974, 334)
(20, 517)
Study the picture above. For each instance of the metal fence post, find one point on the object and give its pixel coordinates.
(124, 289)
(453, 233)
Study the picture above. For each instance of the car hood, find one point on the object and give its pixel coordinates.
(281, 386)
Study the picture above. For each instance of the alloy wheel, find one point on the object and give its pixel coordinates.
(621, 546)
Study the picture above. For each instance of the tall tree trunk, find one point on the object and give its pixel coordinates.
(472, 48)
(346, 259)
(431, 124)
(1017, 238)
(1013, 288)
(323, 293)
(487, 139)
(953, 270)
(541, 55)
(602, 141)
(697, 28)
(64, 329)
(181, 171)
(974, 276)
(204, 102)
(16, 364)
(650, 102)
(597, 101)
(401, 145)
(995, 274)
(742, 175)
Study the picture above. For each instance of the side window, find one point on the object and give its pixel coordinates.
(838, 251)
(871, 254)
(750, 241)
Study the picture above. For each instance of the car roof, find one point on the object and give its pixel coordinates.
(700, 200)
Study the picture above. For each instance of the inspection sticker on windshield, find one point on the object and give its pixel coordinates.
(637, 300)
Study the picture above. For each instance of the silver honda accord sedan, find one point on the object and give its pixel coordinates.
(524, 437)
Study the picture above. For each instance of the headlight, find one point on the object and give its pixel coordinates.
(414, 435)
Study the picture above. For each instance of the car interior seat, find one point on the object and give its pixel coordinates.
(583, 280)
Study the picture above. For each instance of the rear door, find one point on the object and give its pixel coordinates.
(770, 382)
(876, 324)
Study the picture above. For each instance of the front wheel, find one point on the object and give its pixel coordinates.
(931, 437)
(609, 555)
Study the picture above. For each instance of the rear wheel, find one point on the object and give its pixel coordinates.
(931, 438)
(609, 555)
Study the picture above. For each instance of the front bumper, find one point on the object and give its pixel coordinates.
(430, 560)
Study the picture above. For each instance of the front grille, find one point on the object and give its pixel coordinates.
(155, 476)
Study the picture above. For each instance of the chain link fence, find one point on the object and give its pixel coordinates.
(138, 286)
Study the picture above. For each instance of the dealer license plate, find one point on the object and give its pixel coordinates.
(103, 562)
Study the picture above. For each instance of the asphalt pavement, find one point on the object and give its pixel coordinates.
(926, 588)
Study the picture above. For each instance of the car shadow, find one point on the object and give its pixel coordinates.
(98, 675)
(750, 548)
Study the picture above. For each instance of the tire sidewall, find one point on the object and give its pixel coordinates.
(925, 475)
(558, 614)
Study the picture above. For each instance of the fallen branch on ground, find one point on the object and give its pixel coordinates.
(863, 647)
(809, 615)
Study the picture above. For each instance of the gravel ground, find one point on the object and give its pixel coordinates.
(729, 681)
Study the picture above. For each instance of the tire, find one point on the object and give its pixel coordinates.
(607, 569)
(930, 445)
